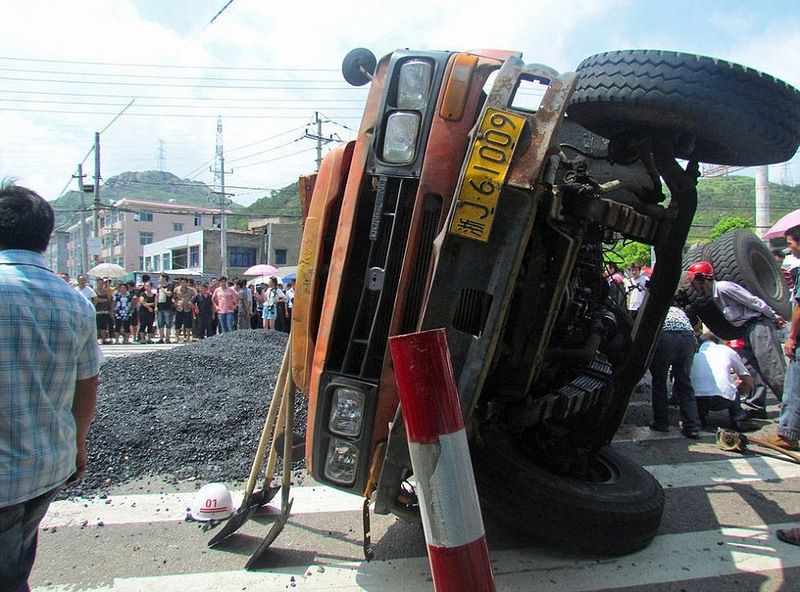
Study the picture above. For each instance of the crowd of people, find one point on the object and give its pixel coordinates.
(184, 310)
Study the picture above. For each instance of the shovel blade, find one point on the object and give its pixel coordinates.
(277, 528)
(234, 523)
(263, 496)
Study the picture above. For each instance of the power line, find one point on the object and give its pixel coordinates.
(169, 66)
(163, 106)
(244, 166)
(263, 151)
(166, 76)
(220, 86)
(189, 115)
(184, 98)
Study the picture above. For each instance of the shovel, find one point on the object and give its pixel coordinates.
(287, 407)
(252, 502)
(730, 441)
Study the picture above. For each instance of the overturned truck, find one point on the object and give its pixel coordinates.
(480, 196)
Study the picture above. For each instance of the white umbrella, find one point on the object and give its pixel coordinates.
(261, 269)
(111, 270)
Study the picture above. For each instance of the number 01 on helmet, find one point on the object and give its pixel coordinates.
(212, 502)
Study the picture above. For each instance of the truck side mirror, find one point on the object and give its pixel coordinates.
(358, 66)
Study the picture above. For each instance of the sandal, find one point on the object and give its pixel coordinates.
(789, 535)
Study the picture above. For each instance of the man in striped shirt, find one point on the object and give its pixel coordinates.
(49, 362)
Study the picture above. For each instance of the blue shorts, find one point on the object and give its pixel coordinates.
(269, 313)
(165, 318)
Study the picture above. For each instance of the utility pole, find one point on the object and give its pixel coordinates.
(161, 155)
(84, 249)
(320, 138)
(97, 187)
(762, 199)
(219, 180)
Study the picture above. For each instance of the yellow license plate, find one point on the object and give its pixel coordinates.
(489, 160)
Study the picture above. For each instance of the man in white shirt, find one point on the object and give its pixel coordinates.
(86, 290)
(635, 287)
(720, 377)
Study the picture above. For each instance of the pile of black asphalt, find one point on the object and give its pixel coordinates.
(191, 413)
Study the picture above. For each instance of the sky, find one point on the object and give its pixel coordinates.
(69, 68)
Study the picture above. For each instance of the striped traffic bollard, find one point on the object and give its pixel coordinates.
(448, 499)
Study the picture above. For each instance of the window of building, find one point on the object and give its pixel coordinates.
(198, 220)
(280, 256)
(157, 263)
(141, 262)
(177, 226)
(148, 264)
(241, 256)
(194, 256)
(165, 261)
(179, 259)
(145, 238)
(145, 216)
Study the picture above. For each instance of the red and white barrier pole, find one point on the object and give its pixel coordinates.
(448, 499)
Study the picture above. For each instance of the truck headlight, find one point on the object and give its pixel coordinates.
(400, 141)
(347, 412)
(413, 85)
(342, 462)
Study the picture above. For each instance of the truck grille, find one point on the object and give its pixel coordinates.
(367, 296)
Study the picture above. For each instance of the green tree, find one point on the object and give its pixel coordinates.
(629, 253)
(728, 223)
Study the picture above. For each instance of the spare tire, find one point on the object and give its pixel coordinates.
(736, 115)
(740, 256)
(703, 306)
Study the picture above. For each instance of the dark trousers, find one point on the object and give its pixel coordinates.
(202, 327)
(19, 529)
(763, 356)
(674, 349)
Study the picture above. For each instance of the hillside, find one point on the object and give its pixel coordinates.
(142, 185)
(735, 195)
(720, 196)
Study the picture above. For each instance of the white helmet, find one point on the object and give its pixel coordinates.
(212, 502)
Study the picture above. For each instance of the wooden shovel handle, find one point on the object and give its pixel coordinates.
(767, 444)
(269, 424)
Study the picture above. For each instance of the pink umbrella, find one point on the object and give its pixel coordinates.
(780, 227)
(262, 269)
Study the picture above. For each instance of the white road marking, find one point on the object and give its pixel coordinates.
(144, 508)
(172, 507)
(732, 470)
(670, 558)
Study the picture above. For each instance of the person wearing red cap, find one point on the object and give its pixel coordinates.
(762, 351)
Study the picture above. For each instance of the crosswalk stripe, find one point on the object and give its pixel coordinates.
(144, 508)
(670, 558)
(171, 507)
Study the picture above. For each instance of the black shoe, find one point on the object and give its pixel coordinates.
(743, 425)
(693, 433)
(657, 427)
(757, 413)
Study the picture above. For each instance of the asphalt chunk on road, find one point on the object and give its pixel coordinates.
(189, 413)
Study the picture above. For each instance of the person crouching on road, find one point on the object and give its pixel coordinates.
(48, 380)
(762, 352)
(675, 348)
(719, 378)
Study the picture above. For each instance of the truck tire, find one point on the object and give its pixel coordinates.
(703, 306)
(737, 116)
(615, 514)
(739, 256)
